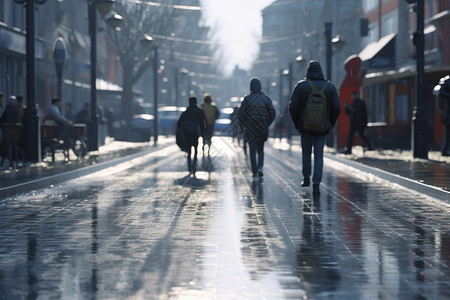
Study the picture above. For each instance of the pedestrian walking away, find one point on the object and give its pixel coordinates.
(8, 112)
(20, 108)
(314, 108)
(255, 116)
(358, 122)
(191, 125)
(69, 112)
(211, 113)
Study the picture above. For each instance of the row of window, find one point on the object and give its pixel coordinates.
(369, 5)
(12, 14)
(389, 25)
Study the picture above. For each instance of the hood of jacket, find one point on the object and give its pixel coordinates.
(255, 85)
(314, 71)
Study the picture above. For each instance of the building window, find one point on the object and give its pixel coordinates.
(18, 17)
(2, 11)
(401, 108)
(369, 5)
(390, 22)
(372, 35)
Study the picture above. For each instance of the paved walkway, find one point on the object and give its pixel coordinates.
(143, 229)
(434, 173)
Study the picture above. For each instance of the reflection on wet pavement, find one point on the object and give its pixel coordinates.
(146, 230)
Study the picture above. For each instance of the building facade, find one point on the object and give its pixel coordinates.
(389, 67)
(294, 33)
(53, 19)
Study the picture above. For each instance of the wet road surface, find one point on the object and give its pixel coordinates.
(146, 230)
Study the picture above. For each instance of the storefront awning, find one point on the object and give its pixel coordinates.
(380, 54)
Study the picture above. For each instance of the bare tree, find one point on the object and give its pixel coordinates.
(140, 18)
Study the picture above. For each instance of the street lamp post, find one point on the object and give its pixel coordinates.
(328, 27)
(155, 94)
(185, 72)
(419, 135)
(104, 6)
(59, 56)
(177, 87)
(337, 44)
(30, 117)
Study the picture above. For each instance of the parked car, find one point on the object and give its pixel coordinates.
(141, 128)
(223, 123)
(167, 119)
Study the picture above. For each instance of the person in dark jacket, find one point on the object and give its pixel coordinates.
(191, 125)
(11, 113)
(443, 89)
(309, 139)
(255, 116)
(358, 122)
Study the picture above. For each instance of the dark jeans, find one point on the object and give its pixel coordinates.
(207, 134)
(361, 133)
(192, 161)
(446, 145)
(308, 142)
(256, 146)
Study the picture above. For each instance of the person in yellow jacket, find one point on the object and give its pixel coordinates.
(211, 113)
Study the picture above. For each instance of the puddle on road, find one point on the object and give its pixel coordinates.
(225, 274)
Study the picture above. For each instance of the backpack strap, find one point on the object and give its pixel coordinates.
(314, 87)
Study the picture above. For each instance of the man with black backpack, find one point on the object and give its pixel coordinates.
(314, 109)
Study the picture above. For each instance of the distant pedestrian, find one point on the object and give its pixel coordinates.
(256, 113)
(358, 122)
(305, 112)
(69, 112)
(10, 112)
(84, 115)
(234, 123)
(191, 125)
(109, 115)
(20, 108)
(443, 89)
(2, 111)
(212, 113)
(280, 127)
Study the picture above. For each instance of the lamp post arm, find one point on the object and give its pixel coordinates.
(141, 70)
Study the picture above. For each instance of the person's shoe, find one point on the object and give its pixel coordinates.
(306, 181)
(260, 172)
(348, 152)
(316, 188)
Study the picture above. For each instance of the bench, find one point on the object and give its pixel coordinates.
(54, 139)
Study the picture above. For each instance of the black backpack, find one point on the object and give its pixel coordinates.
(315, 115)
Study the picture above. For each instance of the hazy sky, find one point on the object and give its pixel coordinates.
(237, 27)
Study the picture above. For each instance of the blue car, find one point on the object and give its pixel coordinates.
(141, 128)
(167, 119)
(223, 124)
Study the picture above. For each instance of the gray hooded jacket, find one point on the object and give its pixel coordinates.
(256, 113)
